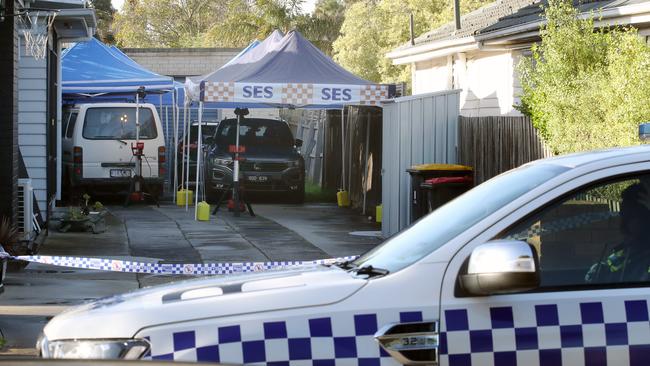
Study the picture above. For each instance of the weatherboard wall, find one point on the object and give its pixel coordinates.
(32, 120)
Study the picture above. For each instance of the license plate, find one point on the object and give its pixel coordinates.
(120, 173)
(257, 178)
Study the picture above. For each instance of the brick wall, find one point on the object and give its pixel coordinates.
(8, 115)
(180, 62)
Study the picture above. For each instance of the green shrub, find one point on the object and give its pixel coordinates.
(585, 87)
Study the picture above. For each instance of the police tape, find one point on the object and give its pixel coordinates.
(196, 269)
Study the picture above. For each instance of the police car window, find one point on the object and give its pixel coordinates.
(450, 220)
(593, 237)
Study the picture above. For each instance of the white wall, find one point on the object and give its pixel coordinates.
(431, 76)
(487, 80)
(32, 121)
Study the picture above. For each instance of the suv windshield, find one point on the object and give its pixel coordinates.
(450, 220)
(118, 123)
(255, 133)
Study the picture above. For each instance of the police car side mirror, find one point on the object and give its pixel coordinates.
(500, 267)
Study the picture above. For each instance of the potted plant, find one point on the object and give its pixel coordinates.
(84, 218)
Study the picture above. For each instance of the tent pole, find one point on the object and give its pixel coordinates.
(198, 160)
(166, 124)
(235, 174)
(349, 131)
(366, 148)
(188, 155)
(183, 152)
(175, 123)
(342, 148)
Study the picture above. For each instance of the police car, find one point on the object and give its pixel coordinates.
(542, 265)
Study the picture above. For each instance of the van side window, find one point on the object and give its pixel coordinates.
(593, 237)
(71, 124)
(64, 122)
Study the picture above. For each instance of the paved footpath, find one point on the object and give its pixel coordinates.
(167, 234)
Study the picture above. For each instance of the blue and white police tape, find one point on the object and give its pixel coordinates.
(198, 269)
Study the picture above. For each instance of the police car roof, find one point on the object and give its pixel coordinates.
(634, 153)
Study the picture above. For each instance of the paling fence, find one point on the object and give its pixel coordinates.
(492, 145)
(353, 161)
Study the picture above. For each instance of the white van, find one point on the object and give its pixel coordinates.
(548, 264)
(97, 139)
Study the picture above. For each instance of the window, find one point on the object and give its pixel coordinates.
(593, 237)
(113, 123)
(255, 134)
(64, 122)
(71, 124)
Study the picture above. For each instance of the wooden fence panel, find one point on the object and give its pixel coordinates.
(493, 145)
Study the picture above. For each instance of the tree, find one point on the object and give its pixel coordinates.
(585, 88)
(167, 23)
(246, 21)
(372, 28)
(104, 11)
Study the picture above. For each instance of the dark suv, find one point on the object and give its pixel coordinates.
(271, 161)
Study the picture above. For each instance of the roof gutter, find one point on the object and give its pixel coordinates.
(432, 50)
(630, 14)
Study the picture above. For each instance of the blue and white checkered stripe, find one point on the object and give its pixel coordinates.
(318, 340)
(116, 265)
(588, 333)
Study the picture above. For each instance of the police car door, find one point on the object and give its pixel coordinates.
(587, 308)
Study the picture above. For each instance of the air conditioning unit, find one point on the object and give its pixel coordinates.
(25, 221)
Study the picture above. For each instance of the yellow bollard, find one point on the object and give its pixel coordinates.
(203, 211)
(183, 196)
(378, 210)
(343, 198)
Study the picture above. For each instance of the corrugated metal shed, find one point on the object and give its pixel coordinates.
(416, 130)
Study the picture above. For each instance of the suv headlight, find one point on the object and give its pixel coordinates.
(128, 349)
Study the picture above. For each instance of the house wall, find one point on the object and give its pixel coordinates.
(487, 80)
(32, 121)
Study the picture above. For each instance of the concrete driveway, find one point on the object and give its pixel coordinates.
(169, 234)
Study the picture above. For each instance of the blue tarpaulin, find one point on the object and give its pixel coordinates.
(93, 69)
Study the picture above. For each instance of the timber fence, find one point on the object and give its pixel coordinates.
(493, 145)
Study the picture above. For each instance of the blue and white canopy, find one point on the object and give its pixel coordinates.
(92, 69)
(285, 70)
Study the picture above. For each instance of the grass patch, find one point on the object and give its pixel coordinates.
(314, 193)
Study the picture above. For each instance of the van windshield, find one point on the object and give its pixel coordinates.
(118, 123)
(450, 220)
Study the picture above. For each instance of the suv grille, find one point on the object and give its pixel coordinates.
(250, 166)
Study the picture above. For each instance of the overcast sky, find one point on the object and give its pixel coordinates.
(308, 7)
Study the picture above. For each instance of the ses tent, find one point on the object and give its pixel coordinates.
(283, 71)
